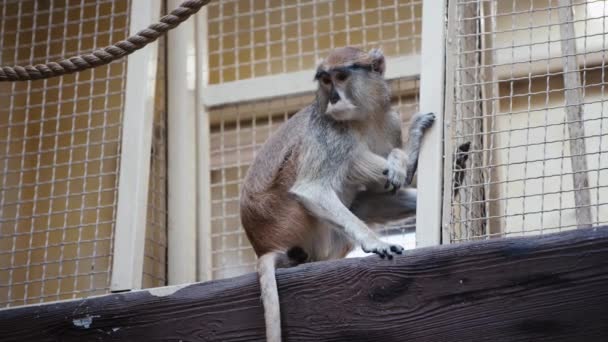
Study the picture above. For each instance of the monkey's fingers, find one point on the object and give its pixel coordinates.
(395, 188)
(396, 249)
(383, 253)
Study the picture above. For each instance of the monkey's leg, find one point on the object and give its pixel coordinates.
(373, 207)
(325, 204)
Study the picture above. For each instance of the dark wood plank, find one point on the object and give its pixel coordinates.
(547, 288)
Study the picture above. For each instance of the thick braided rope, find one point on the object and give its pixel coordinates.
(105, 55)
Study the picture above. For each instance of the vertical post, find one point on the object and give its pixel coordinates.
(138, 117)
(448, 125)
(181, 155)
(432, 78)
(574, 115)
(203, 153)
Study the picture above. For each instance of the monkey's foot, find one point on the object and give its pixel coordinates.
(394, 172)
(382, 248)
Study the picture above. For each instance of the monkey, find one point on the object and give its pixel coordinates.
(329, 171)
(460, 164)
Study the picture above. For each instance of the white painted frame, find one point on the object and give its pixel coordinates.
(293, 83)
(138, 117)
(203, 136)
(432, 89)
(181, 152)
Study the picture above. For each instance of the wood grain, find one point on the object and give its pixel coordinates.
(546, 288)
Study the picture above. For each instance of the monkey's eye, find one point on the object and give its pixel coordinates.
(341, 76)
(326, 80)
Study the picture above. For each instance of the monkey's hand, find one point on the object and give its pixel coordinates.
(421, 122)
(381, 248)
(395, 170)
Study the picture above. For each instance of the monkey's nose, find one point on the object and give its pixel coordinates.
(334, 97)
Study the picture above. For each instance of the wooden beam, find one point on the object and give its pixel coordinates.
(545, 288)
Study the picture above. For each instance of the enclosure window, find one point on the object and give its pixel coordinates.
(155, 247)
(249, 39)
(59, 152)
(538, 130)
(237, 133)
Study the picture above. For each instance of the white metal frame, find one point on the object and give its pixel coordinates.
(203, 134)
(432, 89)
(138, 117)
(181, 155)
(292, 83)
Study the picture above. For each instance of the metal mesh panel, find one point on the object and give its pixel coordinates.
(155, 248)
(525, 85)
(250, 39)
(237, 132)
(59, 152)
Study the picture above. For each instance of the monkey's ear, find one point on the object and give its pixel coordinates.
(378, 61)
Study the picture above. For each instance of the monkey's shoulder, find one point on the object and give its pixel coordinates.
(276, 161)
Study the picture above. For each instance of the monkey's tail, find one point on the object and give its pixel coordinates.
(270, 295)
(267, 265)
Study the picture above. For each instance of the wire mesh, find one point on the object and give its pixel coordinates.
(155, 246)
(250, 39)
(237, 132)
(59, 148)
(528, 80)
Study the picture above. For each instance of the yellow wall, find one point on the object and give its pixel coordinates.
(59, 154)
(544, 188)
(287, 36)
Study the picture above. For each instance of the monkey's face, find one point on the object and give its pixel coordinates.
(352, 89)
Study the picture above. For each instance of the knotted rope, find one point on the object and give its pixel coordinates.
(105, 55)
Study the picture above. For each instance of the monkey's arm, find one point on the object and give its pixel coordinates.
(381, 208)
(407, 156)
(377, 173)
(324, 203)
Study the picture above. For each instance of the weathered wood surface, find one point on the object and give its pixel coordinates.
(547, 288)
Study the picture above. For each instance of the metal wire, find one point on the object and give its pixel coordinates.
(511, 101)
(250, 39)
(100, 56)
(155, 247)
(59, 152)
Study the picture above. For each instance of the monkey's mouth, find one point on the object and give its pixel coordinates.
(340, 109)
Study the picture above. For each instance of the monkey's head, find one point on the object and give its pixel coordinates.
(351, 84)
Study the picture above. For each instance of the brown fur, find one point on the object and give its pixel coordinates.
(346, 56)
(318, 162)
(267, 208)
